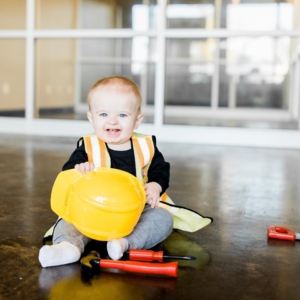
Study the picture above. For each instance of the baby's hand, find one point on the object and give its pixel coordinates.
(85, 167)
(153, 191)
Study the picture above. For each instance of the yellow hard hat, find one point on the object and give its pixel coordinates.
(104, 204)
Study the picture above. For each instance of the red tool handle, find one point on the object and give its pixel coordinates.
(146, 255)
(169, 269)
(281, 233)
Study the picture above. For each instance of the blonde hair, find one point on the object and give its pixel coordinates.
(119, 84)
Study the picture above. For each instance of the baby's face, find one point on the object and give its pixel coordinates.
(114, 116)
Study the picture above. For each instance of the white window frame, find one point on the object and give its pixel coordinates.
(168, 133)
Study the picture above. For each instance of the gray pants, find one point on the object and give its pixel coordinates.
(154, 226)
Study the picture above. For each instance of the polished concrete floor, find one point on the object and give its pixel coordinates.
(243, 189)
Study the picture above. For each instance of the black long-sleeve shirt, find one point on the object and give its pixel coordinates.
(159, 170)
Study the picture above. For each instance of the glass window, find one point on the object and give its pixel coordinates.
(56, 14)
(251, 73)
(189, 71)
(12, 14)
(257, 15)
(95, 14)
(55, 73)
(12, 77)
(191, 14)
(254, 72)
(61, 63)
(107, 14)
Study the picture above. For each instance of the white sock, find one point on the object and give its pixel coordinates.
(58, 254)
(116, 248)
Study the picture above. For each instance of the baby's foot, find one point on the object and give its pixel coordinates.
(58, 254)
(116, 248)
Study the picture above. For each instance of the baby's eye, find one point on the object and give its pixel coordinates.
(103, 115)
(122, 115)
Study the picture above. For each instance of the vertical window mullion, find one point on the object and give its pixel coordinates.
(296, 90)
(216, 74)
(160, 65)
(30, 63)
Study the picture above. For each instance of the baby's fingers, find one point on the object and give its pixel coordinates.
(154, 202)
(84, 167)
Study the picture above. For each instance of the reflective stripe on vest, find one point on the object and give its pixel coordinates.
(96, 151)
(144, 152)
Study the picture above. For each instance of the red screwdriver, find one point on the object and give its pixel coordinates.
(149, 255)
(92, 263)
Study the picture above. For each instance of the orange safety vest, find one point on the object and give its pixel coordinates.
(183, 218)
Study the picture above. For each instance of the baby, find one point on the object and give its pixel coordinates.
(115, 112)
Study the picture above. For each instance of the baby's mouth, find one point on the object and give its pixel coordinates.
(113, 130)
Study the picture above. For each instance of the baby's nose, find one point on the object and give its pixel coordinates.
(113, 120)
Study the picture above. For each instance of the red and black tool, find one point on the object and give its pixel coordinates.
(149, 255)
(92, 263)
(282, 233)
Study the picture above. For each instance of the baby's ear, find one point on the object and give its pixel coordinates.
(138, 121)
(90, 117)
